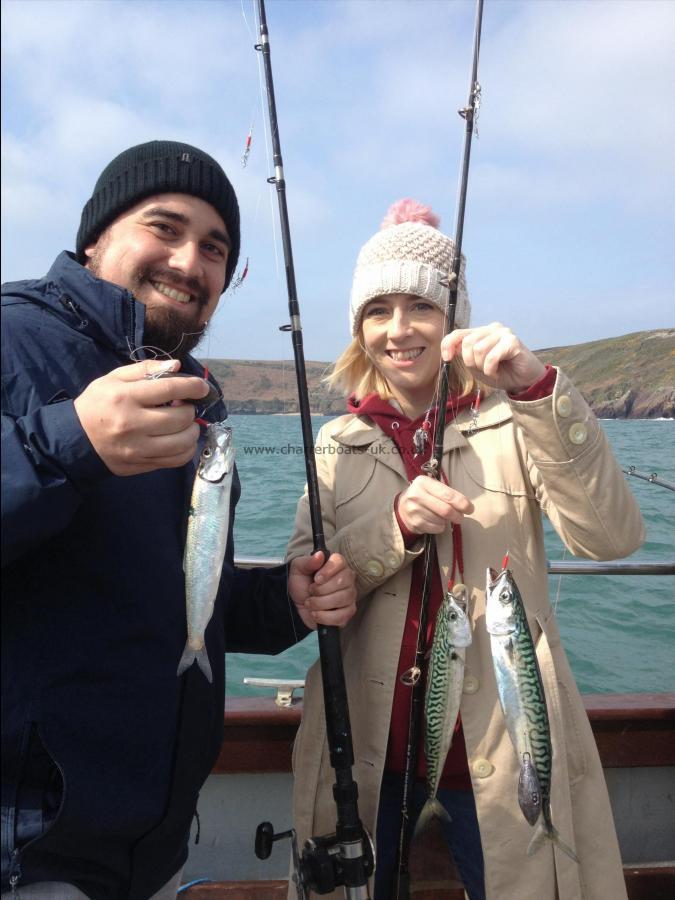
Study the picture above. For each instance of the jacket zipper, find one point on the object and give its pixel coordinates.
(15, 873)
(68, 304)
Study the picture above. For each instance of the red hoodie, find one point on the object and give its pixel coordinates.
(393, 423)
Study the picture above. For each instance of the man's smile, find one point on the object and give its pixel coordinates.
(171, 292)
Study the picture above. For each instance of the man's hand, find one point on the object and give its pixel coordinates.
(427, 506)
(323, 593)
(137, 424)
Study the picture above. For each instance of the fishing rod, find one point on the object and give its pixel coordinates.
(344, 858)
(653, 478)
(433, 469)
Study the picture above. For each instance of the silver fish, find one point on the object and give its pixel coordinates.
(523, 702)
(207, 533)
(445, 677)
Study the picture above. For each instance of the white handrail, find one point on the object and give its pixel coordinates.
(555, 566)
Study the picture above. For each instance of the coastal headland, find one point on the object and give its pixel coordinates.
(627, 377)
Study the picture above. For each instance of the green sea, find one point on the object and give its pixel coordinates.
(619, 631)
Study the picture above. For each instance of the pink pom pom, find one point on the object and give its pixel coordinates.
(408, 210)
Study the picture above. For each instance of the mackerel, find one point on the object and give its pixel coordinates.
(445, 677)
(523, 702)
(207, 534)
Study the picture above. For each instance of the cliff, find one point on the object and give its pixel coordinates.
(632, 376)
(627, 377)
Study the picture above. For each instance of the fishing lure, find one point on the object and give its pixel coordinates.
(474, 410)
(247, 148)
(238, 280)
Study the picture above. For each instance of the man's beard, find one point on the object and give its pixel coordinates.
(166, 328)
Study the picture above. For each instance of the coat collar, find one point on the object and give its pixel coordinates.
(104, 311)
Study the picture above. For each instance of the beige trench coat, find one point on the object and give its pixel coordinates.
(524, 457)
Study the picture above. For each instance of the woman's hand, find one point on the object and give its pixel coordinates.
(495, 355)
(427, 506)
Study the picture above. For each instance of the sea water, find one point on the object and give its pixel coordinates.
(619, 631)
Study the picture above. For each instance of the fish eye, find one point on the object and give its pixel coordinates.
(453, 615)
(505, 596)
(207, 452)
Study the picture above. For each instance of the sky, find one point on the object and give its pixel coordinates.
(569, 229)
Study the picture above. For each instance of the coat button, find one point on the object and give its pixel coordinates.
(393, 560)
(471, 684)
(374, 568)
(578, 433)
(482, 768)
(564, 405)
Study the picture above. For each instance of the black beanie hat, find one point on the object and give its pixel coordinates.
(159, 167)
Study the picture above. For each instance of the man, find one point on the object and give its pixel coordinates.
(104, 747)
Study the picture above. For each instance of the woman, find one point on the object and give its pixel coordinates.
(531, 445)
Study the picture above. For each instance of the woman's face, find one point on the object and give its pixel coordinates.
(402, 335)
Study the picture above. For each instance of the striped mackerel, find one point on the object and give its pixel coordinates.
(523, 702)
(445, 677)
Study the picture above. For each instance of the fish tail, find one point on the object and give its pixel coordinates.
(548, 832)
(433, 808)
(202, 657)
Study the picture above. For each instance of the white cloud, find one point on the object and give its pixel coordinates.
(577, 139)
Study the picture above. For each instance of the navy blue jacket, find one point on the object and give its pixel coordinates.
(104, 748)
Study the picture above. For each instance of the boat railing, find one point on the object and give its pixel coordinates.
(555, 566)
(286, 691)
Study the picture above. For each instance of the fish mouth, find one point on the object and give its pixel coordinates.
(492, 575)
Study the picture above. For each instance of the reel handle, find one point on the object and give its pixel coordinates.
(265, 838)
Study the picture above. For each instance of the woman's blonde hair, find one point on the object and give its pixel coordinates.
(354, 373)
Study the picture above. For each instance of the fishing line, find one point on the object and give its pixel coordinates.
(268, 159)
(148, 349)
(345, 857)
(557, 595)
(254, 111)
(433, 469)
(248, 27)
(158, 352)
(268, 154)
(508, 543)
(207, 355)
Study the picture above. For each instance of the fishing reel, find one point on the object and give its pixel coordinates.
(325, 863)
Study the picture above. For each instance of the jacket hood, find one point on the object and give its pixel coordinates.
(357, 429)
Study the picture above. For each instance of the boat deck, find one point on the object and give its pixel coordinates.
(252, 782)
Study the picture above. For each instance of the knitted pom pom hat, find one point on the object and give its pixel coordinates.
(408, 255)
